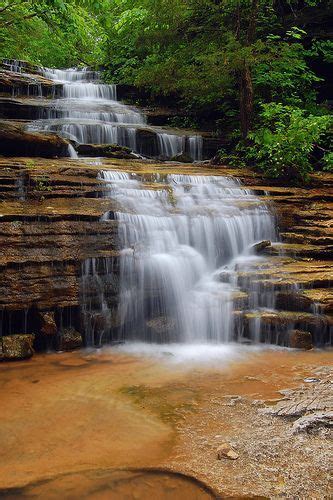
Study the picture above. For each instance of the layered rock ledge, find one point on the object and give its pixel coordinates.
(50, 223)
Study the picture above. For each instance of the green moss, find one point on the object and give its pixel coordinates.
(168, 403)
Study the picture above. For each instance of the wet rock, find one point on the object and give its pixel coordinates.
(292, 301)
(15, 347)
(301, 250)
(211, 145)
(321, 299)
(15, 141)
(258, 247)
(19, 65)
(69, 339)
(22, 109)
(298, 339)
(147, 142)
(161, 116)
(49, 326)
(25, 84)
(105, 150)
(182, 157)
(274, 326)
(226, 451)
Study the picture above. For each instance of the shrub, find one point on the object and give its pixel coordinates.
(284, 144)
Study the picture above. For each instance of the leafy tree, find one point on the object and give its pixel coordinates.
(249, 69)
(67, 31)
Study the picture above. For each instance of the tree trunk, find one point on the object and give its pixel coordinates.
(245, 76)
(245, 100)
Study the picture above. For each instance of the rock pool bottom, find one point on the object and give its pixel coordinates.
(132, 407)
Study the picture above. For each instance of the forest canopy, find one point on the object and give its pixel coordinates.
(256, 72)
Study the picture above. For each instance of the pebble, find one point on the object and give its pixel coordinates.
(226, 451)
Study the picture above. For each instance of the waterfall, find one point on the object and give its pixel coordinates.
(90, 91)
(87, 112)
(170, 145)
(175, 241)
(71, 152)
(71, 74)
(14, 65)
(195, 147)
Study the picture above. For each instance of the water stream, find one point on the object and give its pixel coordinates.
(88, 112)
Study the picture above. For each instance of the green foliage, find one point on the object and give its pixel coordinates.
(328, 161)
(283, 75)
(205, 56)
(283, 145)
(51, 32)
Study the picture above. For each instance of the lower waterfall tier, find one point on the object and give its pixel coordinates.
(152, 255)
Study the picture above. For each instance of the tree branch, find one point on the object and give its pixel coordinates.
(29, 16)
(11, 5)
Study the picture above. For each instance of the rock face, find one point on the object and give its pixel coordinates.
(14, 141)
(51, 224)
(258, 247)
(16, 347)
(16, 84)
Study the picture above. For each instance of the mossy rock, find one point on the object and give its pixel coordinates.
(69, 339)
(299, 339)
(16, 347)
(182, 158)
(106, 150)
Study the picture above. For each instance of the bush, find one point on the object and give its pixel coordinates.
(288, 142)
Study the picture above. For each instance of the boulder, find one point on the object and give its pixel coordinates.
(15, 347)
(15, 141)
(299, 339)
(182, 158)
(49, 326)
(69, 339)
(106, 150)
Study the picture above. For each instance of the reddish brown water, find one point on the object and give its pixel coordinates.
(72, 412)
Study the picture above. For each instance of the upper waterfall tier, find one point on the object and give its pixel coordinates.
(87, 111)
(71, 74)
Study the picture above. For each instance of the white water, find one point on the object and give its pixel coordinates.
(88, 113)
(176, 239)
(192, 354)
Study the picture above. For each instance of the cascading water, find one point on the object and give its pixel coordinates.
(88, 113)
(176, 239)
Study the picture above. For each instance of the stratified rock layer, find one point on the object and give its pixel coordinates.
(14, 141)
(50, 213)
